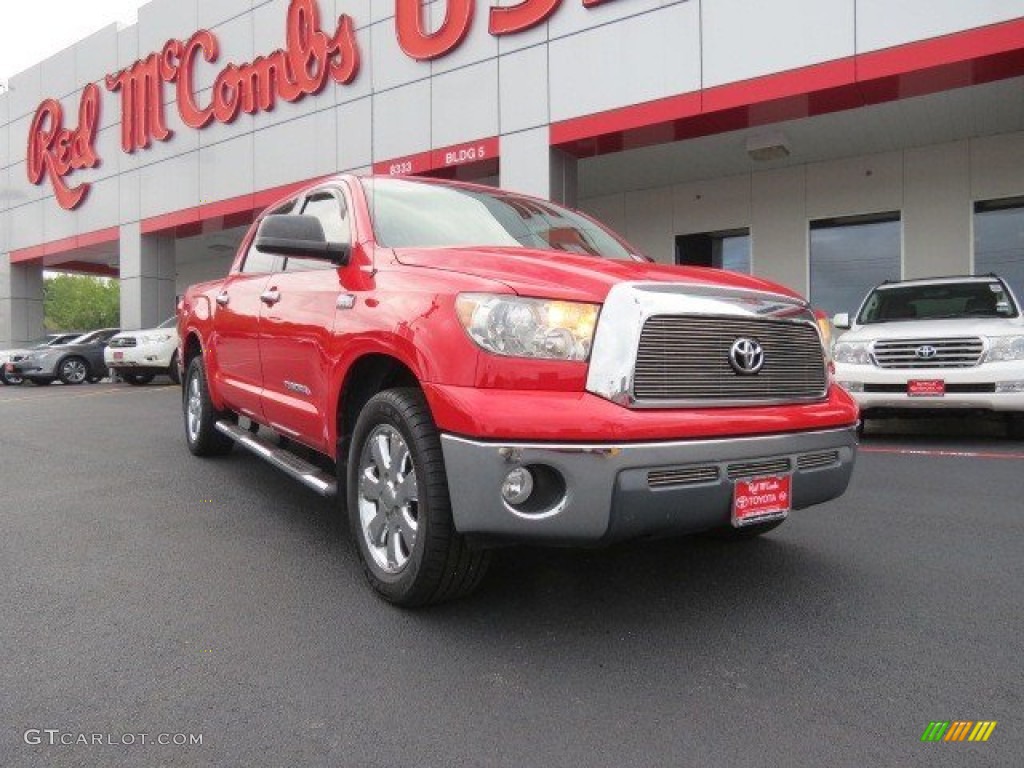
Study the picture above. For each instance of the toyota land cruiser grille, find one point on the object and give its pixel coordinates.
(929, 353)
(687, 358)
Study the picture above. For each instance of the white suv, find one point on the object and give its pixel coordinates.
(938, 344)
(139, 356)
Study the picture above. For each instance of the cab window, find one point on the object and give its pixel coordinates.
(256, 262)
(333, 215)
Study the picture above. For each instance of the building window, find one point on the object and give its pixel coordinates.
(722, 250)
(999, 241)
(850, 256)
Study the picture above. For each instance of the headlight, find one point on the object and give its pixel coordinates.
(517, 327)
(852, 353)
(155, 338)
(1005, 348)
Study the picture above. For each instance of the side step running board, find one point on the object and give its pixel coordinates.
(309, 475)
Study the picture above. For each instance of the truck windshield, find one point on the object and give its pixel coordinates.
(972, 299)
(411, 214)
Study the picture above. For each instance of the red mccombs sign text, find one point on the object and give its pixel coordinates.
(310, 59)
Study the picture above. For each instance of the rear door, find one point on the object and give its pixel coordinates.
(296, 328)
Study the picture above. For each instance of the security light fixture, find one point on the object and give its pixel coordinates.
(768, 146)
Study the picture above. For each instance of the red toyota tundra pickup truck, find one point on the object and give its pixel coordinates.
(466, 367)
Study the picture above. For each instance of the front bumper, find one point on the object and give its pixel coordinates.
(608, 492)
(37, 369)
(969, 389)
(153, 357)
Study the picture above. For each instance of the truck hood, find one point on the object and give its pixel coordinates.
(562, 275)
(932, 329)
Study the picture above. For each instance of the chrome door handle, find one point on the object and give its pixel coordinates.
(271, 297)
(223, 298)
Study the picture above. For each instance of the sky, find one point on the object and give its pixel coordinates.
(23, 42)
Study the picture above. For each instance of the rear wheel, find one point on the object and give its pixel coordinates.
(201, 435)
(399, 509)
(73, 370)
(137, 379)
(172, 370)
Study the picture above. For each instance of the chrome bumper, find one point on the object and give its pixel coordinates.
(611, 495)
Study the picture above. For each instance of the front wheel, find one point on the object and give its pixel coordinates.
(399, 509)
(201, 435)
(73, 370)
(1015, 427)
(9, 379)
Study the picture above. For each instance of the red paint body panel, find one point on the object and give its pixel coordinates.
(582, 417)
(287, 364)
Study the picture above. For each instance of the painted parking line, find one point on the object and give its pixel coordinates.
(945, 454)
(61, 397)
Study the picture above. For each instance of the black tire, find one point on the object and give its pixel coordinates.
(73, 370)
(1015, 427)
(9, 379)
(172, 370)
(747, 532)
(439, 565)
(137, 379)
(42, 382)
(201, 435)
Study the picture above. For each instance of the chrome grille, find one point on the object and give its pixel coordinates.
(759, 468)
(124, 341)
(948, 353)
(817, 460)
(686, 358)
(694, 475)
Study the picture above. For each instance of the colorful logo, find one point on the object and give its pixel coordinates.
(958, 730)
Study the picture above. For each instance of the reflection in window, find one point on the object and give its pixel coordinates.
(412, 214)
(999, 241)
(850, 256)
(722, 250)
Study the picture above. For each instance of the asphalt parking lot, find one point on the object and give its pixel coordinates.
(145, 592)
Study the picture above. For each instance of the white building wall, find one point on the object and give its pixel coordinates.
(934, 188)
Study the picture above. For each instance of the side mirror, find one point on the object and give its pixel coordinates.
(842, 321)
(298, 235)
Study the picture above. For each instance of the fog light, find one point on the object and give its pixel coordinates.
(518, 486)
(852, 386)
(1010, 386)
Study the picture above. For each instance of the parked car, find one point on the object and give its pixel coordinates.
(941, 345)
(139, 356)
(14, 355)
(468, 367)
(79, 361)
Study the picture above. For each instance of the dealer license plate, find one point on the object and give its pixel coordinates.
(760, 499)
(926, 388)
(119, 355)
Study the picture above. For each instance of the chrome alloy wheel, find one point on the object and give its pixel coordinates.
(74, 371)
(388, 499)
(194, 408)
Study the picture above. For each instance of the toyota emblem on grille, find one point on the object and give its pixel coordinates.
(746, 357)
(926, 352)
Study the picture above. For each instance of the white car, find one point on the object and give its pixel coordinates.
(139, 356)
(14, 355)
(951, 344)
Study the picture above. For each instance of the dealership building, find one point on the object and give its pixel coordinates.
(825, 144)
